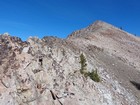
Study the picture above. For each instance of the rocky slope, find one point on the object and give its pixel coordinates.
(47, 71)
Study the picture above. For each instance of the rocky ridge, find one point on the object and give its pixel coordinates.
(47, 71)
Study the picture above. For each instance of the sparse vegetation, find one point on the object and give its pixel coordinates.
(93, 75)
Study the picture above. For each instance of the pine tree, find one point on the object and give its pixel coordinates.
(83, 64)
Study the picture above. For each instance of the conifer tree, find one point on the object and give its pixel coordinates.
(83, 64)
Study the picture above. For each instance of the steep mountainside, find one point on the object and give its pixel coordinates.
(47, 71)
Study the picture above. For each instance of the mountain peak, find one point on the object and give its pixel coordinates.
(97, 26)
(100, 24)
(101, 28)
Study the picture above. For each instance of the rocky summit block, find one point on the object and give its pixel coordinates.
(53, 71)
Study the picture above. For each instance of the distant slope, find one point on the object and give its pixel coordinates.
(112, 39)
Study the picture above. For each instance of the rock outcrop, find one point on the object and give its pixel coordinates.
(47, 71)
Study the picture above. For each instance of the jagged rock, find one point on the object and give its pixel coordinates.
(47, 71)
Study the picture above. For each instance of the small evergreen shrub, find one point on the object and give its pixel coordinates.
(94, 76)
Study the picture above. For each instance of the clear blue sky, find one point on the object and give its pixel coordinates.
(26, 18)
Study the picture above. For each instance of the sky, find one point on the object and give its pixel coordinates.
(24, 18)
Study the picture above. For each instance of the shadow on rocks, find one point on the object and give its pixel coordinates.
(137, 85)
